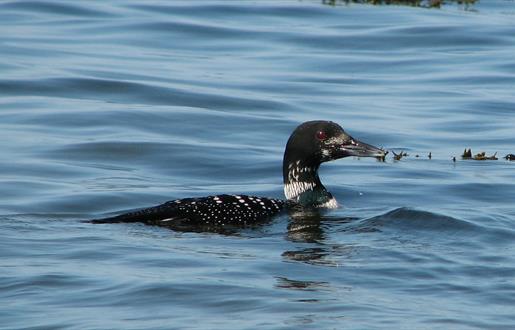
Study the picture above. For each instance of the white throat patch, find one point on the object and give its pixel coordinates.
(294, 189)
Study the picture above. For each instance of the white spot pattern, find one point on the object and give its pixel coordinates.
(217, 210)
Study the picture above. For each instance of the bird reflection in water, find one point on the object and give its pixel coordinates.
(286, 283)
(307, 226)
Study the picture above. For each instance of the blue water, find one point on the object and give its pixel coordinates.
(110, 106)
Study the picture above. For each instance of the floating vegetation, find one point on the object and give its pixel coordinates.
(483, 156)
(412, 3)
(467, 154)
(399, 155)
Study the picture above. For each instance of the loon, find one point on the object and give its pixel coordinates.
(311, 144)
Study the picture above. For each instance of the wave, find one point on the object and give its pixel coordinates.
(123, 91)
(408, 218)
(426, 225)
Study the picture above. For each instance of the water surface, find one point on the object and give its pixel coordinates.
(109, 106)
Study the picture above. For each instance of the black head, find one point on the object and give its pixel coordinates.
(311, 144)
(315, 142)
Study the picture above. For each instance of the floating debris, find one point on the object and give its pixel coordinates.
(482, 156)
(467, 154)
(399, 155)
(413, 3)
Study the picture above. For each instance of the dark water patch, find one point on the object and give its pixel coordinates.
(410, 220)
(54, 8)
(116, 91)
(416, 221)
(13, 287)
(225, 10)
(495, 107)
(111, 150)
(488, 193)
(137, 155)
(407, 41)
(192, 30)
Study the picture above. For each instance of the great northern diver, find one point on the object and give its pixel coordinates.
(310, 144)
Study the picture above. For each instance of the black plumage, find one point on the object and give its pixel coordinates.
(310, 144)
(220, 210)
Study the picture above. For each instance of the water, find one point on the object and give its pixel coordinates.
(109, 106)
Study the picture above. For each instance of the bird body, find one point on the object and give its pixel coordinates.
(218, 210)
(310, 144)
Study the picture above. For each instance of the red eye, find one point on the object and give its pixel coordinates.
(321, 135)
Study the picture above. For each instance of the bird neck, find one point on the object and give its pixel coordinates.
(302, 184)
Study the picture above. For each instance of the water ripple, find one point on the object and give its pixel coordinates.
(111, 106)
